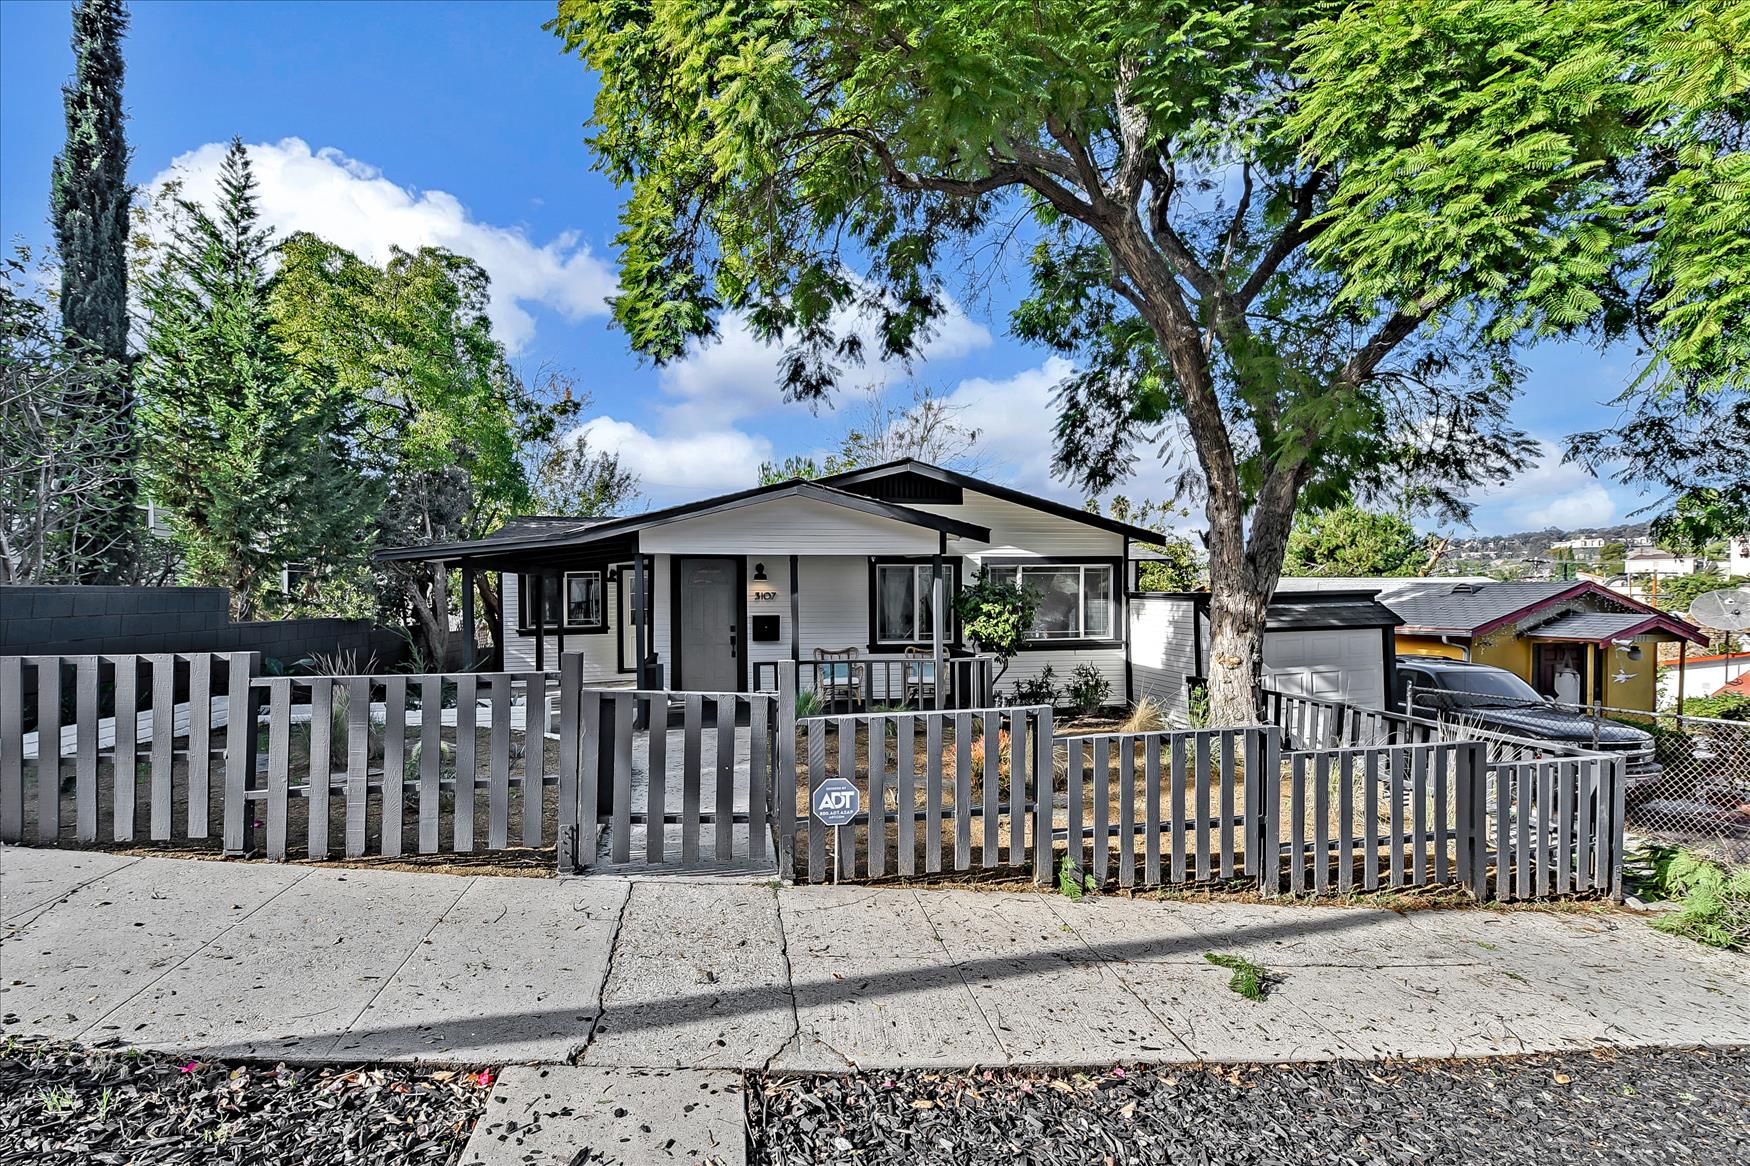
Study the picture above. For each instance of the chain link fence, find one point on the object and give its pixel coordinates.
(1688, 777)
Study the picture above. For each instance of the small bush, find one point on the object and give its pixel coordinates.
(1716, 902)
(1041, 689)
(1072, 884)
(1088, 689)
(1249, 979)
(807, 703)
(1197, 706)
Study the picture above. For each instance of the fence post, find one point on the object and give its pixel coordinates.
(1618, 811)
(1044, 798)
(1472, 798)
(783, 782)
(1268, 780)
(570, 733)
(12, 748)
(241, 702)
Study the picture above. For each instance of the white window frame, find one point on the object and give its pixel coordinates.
(1017, 573)
(923, 589)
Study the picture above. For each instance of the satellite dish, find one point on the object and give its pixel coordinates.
(1726, 611)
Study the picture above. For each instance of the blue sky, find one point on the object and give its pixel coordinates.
(461, 125)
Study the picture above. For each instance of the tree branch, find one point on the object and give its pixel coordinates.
(1295, 232)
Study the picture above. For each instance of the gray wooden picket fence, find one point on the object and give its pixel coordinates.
(202, 750)
(1550, 816)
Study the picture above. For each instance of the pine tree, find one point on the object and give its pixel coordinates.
(89, 202)
(250, 459)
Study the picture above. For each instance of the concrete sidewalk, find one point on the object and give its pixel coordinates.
(317, 963)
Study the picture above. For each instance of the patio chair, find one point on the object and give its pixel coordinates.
(920, 677)
(838, 676)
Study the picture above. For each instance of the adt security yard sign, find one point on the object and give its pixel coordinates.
(836, 802)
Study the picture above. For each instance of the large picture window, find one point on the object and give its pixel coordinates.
(1075, 600)
(578, 594)
(903, 607)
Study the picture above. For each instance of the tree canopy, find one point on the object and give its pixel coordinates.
(1348, 540)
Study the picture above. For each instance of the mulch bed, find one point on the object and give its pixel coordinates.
(60, 1103)
(1661, 1108)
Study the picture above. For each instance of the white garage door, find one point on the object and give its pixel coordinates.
(1334, 665)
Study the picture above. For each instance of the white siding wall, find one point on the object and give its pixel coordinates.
(1163, 649)
(1017, 530)
(600, 662)
(791, 526)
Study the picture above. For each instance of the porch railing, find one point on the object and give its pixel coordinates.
(888, 681)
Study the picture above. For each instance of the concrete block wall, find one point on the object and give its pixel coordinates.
(71, 621)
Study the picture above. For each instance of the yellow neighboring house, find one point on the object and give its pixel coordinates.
(1559, 637)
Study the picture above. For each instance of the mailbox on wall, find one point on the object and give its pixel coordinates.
(765, 629)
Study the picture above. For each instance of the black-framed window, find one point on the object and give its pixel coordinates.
(901, 601)
(576, 594)
(1076, 601)
(625, 584)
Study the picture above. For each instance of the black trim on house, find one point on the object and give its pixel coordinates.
(1120, 637)
(872, 474)
(613, 528)
(524, 592)
(623, 576)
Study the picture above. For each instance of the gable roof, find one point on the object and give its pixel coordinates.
(542, 533)
(850, 479)
(1442, 607)
(1599, 626)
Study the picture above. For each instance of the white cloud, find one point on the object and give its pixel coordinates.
(1016, 420)
(682, 466)
(351, 203)
(736, 375)
(1551, 493)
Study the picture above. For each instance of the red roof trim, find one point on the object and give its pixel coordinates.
(1661, 622)
(1584, 587)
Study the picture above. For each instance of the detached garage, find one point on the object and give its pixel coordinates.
(1337, 645)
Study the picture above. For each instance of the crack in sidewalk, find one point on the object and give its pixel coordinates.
(209, 942)
(960, 973)
(412, 950)
(575, 1057)
(17, 922)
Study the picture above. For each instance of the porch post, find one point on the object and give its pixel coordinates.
(938, 617)
(795, 612)
(639, 677)
(1682, 660)
(468, 645)
(559, 628)
(539, 608)
(440, 610)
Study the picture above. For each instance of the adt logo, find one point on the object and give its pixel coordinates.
(836, 802)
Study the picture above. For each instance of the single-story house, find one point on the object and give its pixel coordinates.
(736, 583)
(1561, 637)
(1705, 675)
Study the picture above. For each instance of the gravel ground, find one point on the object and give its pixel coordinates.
(60, 1103)
(1663, 1108)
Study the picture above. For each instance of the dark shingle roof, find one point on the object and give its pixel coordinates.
(1463, 607)
(1599, 625)
(1328, 609)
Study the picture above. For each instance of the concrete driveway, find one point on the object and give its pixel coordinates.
(300, 962)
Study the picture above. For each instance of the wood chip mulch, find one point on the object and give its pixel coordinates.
(1646, 1108)
(61, 1103)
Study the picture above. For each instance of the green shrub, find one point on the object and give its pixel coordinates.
(1071, 882)
(1724, 706)
(1041, 689)
(996, 616)
(1715, 901)
(1088, 689)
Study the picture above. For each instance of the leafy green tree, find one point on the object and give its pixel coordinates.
(996, 615)
(566, 474)
(251, 460)
(808, 164)
(1625, 120)
(1677, 592)
(1178, 567)
(1611, 557)
(61, 448)
(449, 433)
(89, 201)
(1347, 540)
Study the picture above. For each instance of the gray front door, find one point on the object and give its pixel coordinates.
(709, 625)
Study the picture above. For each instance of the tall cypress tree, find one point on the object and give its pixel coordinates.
(89, 202)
